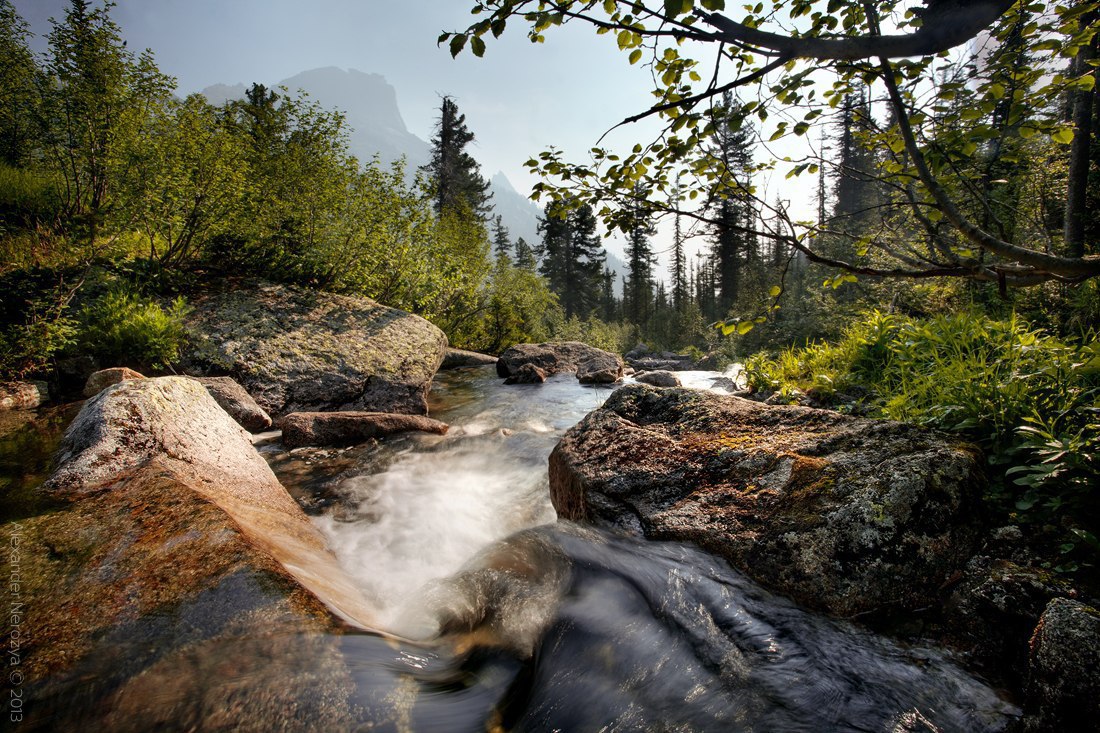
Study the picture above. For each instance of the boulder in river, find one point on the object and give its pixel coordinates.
(658, 378)
(346, 428)
(297, 350)
(172, 545)
(842, 514)
(526, 374)
(591, 365)
(104, 378)
(237, 402)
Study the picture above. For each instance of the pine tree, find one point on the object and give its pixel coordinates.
(502, 246)
(731, 206)
(854, 192)
(638, 288)
(525, 256)
(455, 175)
(572, 257)
(678, 268)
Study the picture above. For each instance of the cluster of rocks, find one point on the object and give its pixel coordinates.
(533, 363)
(643, 359)
(860, 518)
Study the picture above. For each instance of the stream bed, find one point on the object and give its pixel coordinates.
(530, 624)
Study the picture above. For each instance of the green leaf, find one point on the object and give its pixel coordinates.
(477, 46)
(716, 5)
(775, 291)
(458, 42)
(635, 55)
(1063, 136)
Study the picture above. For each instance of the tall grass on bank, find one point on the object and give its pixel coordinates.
(1030, 400)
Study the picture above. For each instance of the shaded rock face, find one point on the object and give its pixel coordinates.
(346, 428)
(526, 374)
(238, 403)
(994, 608)
(461, 359)
(845, 515)
(172, 540)
(295, 350)
(591, 365)
(1064, 690)
(104, 378)
(659, 378)
(23, 395)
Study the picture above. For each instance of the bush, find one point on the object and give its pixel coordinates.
(1030, 400)
(28, 347)
(127, 329)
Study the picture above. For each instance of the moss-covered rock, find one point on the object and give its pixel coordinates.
(298, 350)
(1064, 686)
(843, 514)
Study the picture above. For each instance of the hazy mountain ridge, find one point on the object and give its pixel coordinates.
(377, 128)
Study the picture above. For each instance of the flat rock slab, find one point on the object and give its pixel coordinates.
(842, 514)
(297, 350)
(237, 402)
(592, 365)
(346, 428)
(461, 359)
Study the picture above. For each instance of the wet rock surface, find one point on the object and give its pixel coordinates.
(347, 428)
(591, 365)
(526, 374)
(295, 350)
(846, 515)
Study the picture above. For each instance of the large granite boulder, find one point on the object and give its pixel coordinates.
(1064, 687)
(843, 514)
(173, 559)
(238, 403)
(345, 428)
(591, 365)
(298, 350)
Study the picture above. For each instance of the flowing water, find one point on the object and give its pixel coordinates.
(534, 625)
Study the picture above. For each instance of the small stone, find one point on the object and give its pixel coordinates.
(659, 378)
(104, 378)
(23, 395)
(527, 374)
(237, 402)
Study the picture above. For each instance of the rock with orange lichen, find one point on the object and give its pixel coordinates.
(170, 544)
(842, 514)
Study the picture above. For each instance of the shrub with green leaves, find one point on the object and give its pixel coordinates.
(124, 328)
(1030, 400)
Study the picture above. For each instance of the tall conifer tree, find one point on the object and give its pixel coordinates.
(456, 176)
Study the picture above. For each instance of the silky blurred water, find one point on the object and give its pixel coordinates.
(540, 625)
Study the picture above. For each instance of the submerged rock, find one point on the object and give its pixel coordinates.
(299, 350)
(23, 395)
(345, 428)
(237, 402)
(591, 365)
(843, 514)
(104, 378)
(1064, 690)
(461, 359)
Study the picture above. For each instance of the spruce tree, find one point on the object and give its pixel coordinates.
(638, 288)
(525, 256)
(573, 258)
(502, 246)
(456, 176)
